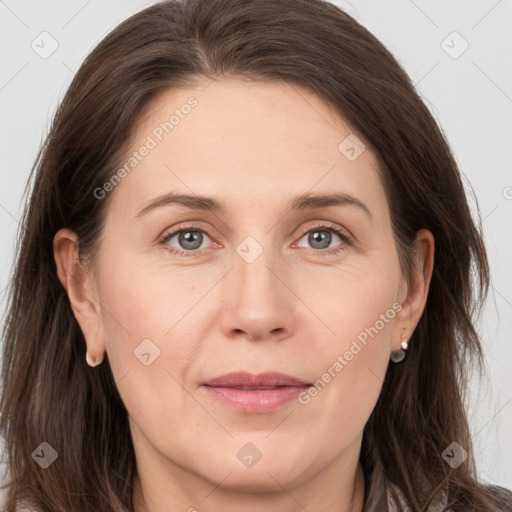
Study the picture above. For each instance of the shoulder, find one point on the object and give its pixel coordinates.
(501, 497)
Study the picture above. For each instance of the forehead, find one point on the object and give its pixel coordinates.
(243, 140)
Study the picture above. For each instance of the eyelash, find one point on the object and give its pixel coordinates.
(345, 237)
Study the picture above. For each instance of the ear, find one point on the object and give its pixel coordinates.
(81, 290)
(414, 295)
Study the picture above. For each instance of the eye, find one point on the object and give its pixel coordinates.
(320, 238)
(189, 240)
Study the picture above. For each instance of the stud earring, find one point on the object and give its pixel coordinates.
(91, 361)
(399, 355)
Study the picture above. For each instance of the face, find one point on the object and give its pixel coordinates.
(269, 281)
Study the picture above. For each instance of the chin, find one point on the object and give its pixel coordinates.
(267, 474)
(257, 481)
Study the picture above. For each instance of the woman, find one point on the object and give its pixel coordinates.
(244, 281)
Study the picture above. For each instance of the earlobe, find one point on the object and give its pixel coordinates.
(80, 290)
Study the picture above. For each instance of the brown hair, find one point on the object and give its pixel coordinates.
(49, 392)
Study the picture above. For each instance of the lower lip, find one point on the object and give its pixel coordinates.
(255, 400)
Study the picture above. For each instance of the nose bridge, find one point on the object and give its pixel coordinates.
(252, 268)
(258, 304)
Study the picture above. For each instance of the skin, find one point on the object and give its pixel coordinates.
(294, 309)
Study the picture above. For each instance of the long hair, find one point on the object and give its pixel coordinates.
(51, 395)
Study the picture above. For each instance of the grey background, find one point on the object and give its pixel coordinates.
(469, 94)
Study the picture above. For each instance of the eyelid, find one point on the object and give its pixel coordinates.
(191, 226)
(327, 225)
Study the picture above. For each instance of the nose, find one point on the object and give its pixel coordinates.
(259, 304)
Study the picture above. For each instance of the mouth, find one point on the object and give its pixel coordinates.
(248, 387)
(261, 381)
(249, 393)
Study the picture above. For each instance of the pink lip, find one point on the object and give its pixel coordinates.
(265, 392)
(247, 380)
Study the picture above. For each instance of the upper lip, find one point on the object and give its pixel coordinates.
(248, 380)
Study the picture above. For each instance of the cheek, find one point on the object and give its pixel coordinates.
(145, 299)
(349, 381)
(148, 293)
(354, 301)
(146, 363)
(142, 316)
(360, 310)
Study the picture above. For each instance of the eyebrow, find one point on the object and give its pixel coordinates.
(302, 202)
